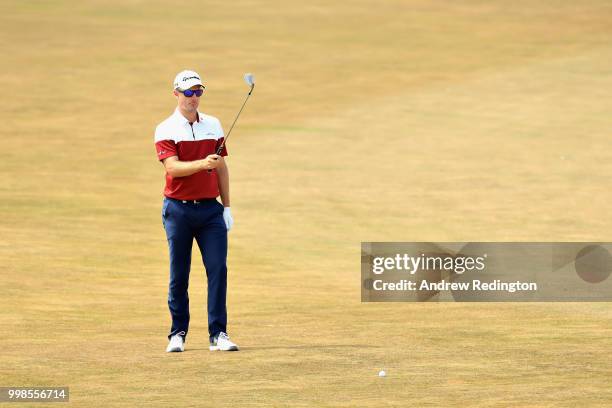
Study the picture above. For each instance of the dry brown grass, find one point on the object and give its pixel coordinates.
(394, 120)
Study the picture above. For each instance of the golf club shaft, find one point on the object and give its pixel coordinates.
(220, 149)
(222, 145)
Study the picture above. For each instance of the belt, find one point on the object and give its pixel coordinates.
(196, 201)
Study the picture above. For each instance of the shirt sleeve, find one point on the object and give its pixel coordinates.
(165, 149)
(164, 145)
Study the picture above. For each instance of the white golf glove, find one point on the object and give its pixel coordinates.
(227, 217)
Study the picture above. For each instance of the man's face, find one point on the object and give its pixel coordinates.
(188, 104)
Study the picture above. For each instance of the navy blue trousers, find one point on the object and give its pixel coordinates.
(203, 221)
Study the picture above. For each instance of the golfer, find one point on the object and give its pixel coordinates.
(186, 143)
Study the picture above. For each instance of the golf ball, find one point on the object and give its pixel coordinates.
(382, 373)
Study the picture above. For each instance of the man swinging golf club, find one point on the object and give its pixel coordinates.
(190, 146)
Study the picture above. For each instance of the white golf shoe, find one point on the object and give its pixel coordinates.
(222, 342)
(177, 344)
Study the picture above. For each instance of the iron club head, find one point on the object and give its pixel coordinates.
(249, 79)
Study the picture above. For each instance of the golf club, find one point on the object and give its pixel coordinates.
(250, 81)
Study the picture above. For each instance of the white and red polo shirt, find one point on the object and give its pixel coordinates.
(175, 136)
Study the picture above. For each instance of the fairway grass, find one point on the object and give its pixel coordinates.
(394, 121)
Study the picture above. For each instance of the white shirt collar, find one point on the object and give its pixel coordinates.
(179, 116)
